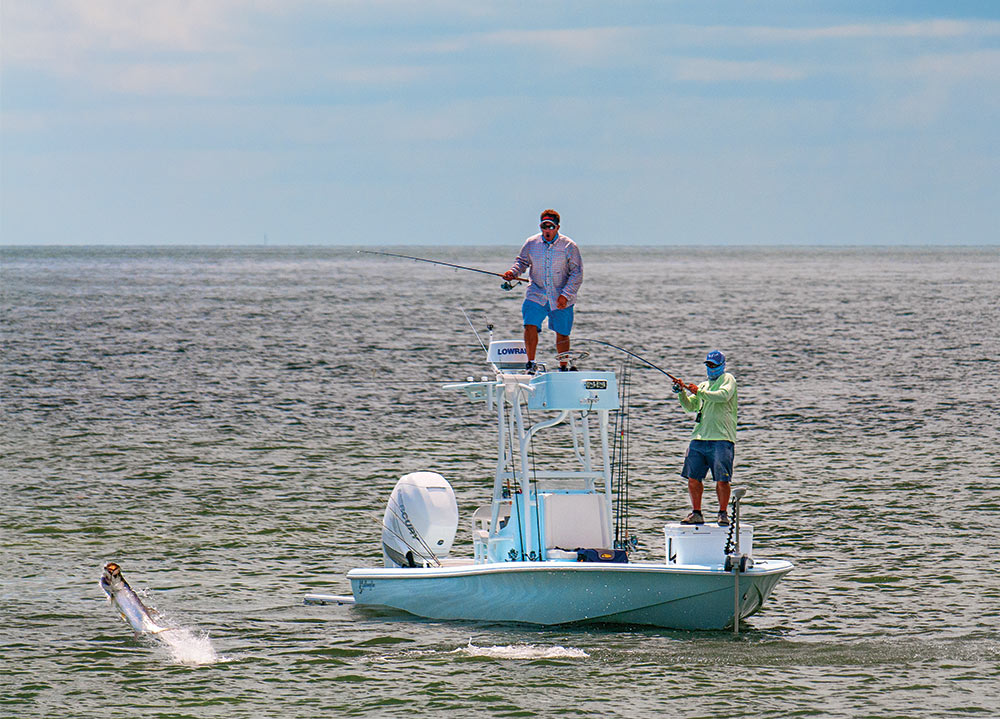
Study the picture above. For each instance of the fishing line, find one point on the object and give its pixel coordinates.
(416, 534)
(505, 286)
(616, 441)
(621, 456)
(632, 354)
(400, 537)
(617, 449)
(517, 487)
(626, 444)
(534, 481)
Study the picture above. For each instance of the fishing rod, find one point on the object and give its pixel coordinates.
(483, 344)
(689, 387)
(505, 286)
(409, 525)
(469, 320)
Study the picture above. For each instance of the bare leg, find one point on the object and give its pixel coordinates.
(530, 341)
(722, 489)
(562, 345)
(695, 489)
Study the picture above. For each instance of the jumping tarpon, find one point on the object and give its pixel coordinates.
(140, 617)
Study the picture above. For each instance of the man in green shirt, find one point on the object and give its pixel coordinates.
(713, 440)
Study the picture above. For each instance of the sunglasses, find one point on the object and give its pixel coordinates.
(548, 226)
(712, 365)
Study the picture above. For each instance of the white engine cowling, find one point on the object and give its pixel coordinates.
(420, 520)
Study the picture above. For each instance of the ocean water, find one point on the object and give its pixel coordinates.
(227, 424)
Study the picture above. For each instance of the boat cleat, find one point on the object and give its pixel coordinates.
(743, 561)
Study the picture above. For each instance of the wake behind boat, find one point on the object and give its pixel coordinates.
(545, 550)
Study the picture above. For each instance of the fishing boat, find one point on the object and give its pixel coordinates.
(551, 547)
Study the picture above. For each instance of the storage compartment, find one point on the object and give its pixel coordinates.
(574, 390)
(703, 544)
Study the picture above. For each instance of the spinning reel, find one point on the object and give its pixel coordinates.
(572, 357)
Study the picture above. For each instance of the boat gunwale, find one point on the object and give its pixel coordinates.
(762, 568)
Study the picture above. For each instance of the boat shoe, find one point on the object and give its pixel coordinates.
(723, 519)
(693, 518)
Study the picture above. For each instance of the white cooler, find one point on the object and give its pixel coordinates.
(703, 544)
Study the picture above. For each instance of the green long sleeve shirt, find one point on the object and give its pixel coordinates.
(716, 404)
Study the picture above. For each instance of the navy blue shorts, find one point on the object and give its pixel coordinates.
(559, 320)
(709, 454)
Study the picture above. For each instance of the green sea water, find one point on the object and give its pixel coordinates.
(227, 424)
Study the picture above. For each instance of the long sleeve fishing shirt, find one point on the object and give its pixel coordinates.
(556, 269)
(716, 405)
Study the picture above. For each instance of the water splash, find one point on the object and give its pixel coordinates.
(521, 651)
(185, 646)
(188, 647)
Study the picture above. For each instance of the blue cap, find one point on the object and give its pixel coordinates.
(715, 357)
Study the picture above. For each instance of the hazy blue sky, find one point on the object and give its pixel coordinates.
(446, 122)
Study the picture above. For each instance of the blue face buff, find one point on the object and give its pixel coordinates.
(715, 364)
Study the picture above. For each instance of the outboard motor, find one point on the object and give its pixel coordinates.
(420, 521)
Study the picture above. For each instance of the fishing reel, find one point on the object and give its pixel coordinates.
(508, 285)
(629, 544)
(572, 357)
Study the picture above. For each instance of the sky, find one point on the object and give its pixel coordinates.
(441, 122)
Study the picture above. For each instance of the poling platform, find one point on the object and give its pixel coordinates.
(544, 548)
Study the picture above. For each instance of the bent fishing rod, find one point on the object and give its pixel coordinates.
(505, 286)
(690, 387)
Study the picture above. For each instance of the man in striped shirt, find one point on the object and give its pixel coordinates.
(556, 275)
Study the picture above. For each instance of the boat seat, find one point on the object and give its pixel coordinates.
(481, 541)
(576, 520)
(481, 523)
(481, 520)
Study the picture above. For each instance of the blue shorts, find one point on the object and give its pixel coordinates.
(705, 454)
(561, 321)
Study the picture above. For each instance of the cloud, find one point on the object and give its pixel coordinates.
(56, 34)
(976, 65)
(698, 54)
(127, 46)
(253, 47)
(926, 29)
(936, 85)
(618, 41)
(718, 71)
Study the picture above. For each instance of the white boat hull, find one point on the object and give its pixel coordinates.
(547, 593)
